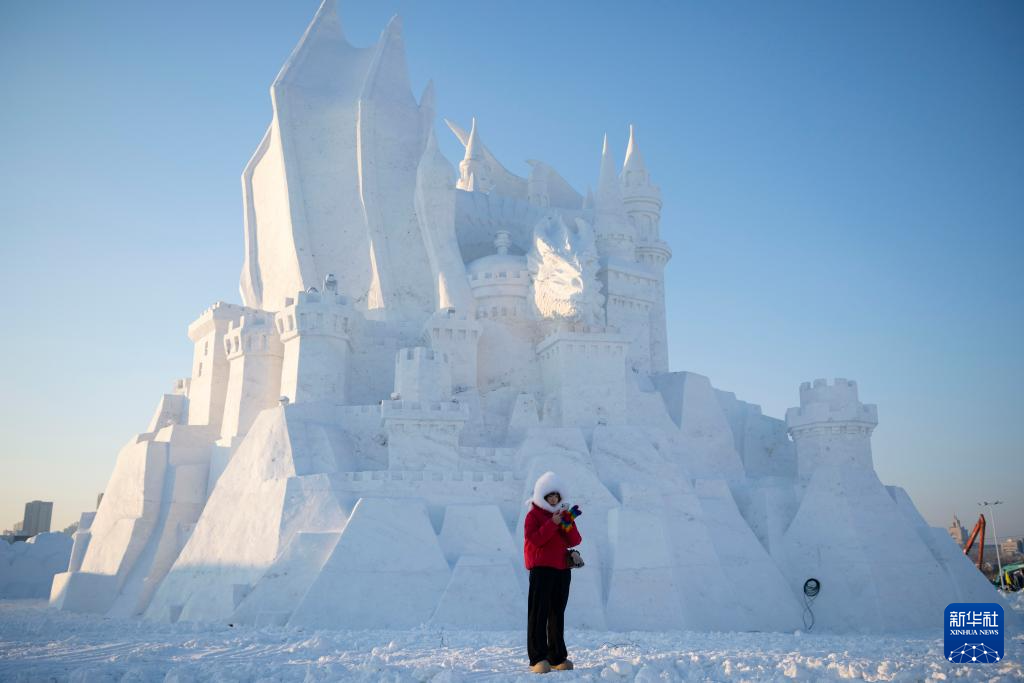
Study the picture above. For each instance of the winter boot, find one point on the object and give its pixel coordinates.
(541, 667)
(564, 666)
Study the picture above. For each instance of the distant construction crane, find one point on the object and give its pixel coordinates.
(979, 529)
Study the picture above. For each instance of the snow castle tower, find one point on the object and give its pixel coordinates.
(417, 344)
(831, 426)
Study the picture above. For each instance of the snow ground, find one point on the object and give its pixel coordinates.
(41, 644)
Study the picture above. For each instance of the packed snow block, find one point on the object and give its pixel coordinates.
(80, 540)
(386, 571)
(172, 409)
(475, 530)
(27, 568)
(765, 602)
(642, 591)
(704, 591)
(524, 417)
(483, 593)
(761, 441)
(182, 502)
(131, 505)
(876, 573)
(83, 592)
(287, 580)
(256, 508)
(705, 433)
(767, 504)
(629, 454)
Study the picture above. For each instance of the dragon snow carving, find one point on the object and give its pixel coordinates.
(563, 262)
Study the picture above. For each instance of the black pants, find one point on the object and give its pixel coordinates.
(545, 630)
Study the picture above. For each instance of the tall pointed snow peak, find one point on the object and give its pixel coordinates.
(473, 145)
(429, 96)
(427, 110)
(434, 169)
(634, 160)
(609, 194)
(314, 60)
(388, 75)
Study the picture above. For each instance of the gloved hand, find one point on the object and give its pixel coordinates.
(567, 517)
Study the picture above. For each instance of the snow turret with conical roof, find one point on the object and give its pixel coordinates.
(642, 200)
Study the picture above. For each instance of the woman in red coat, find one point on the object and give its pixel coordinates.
(545, 548)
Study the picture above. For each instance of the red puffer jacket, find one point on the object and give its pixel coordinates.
(546, 543)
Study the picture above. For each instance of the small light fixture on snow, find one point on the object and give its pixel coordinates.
(811, 589)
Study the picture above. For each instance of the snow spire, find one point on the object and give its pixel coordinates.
(474, 171)
(473, 144)
(611, 225)
(608, 197)
(634, 162)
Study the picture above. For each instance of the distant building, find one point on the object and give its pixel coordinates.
(37, 517)
(957, 532)
(1012, 546)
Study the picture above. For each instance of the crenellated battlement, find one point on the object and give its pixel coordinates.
(430, 475)
(419, 354)
(583, 341)
(181, 386)
(653, 253)
(422, 374)
(835, 405)
(831, 426)
(839, 392)
(253, 333)
(424, 410)
(316, 313)
(219, 313)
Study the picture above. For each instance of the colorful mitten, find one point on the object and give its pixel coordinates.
(568, 516)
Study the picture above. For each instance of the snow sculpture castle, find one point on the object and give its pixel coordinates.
(417, 344)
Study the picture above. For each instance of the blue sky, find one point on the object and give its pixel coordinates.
(843, 193)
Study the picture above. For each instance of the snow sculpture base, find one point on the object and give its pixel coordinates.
(417, 345)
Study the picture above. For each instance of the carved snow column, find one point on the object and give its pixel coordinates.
(831, 427)
(584, 371)
(456, 335)
(422, 421)
(642, 200)
(208, 386)
(314, 329)
(255, 354)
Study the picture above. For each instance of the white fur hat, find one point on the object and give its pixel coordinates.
(548, 483)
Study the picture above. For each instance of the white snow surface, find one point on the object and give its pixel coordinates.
(27, 569)
(38, 643)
